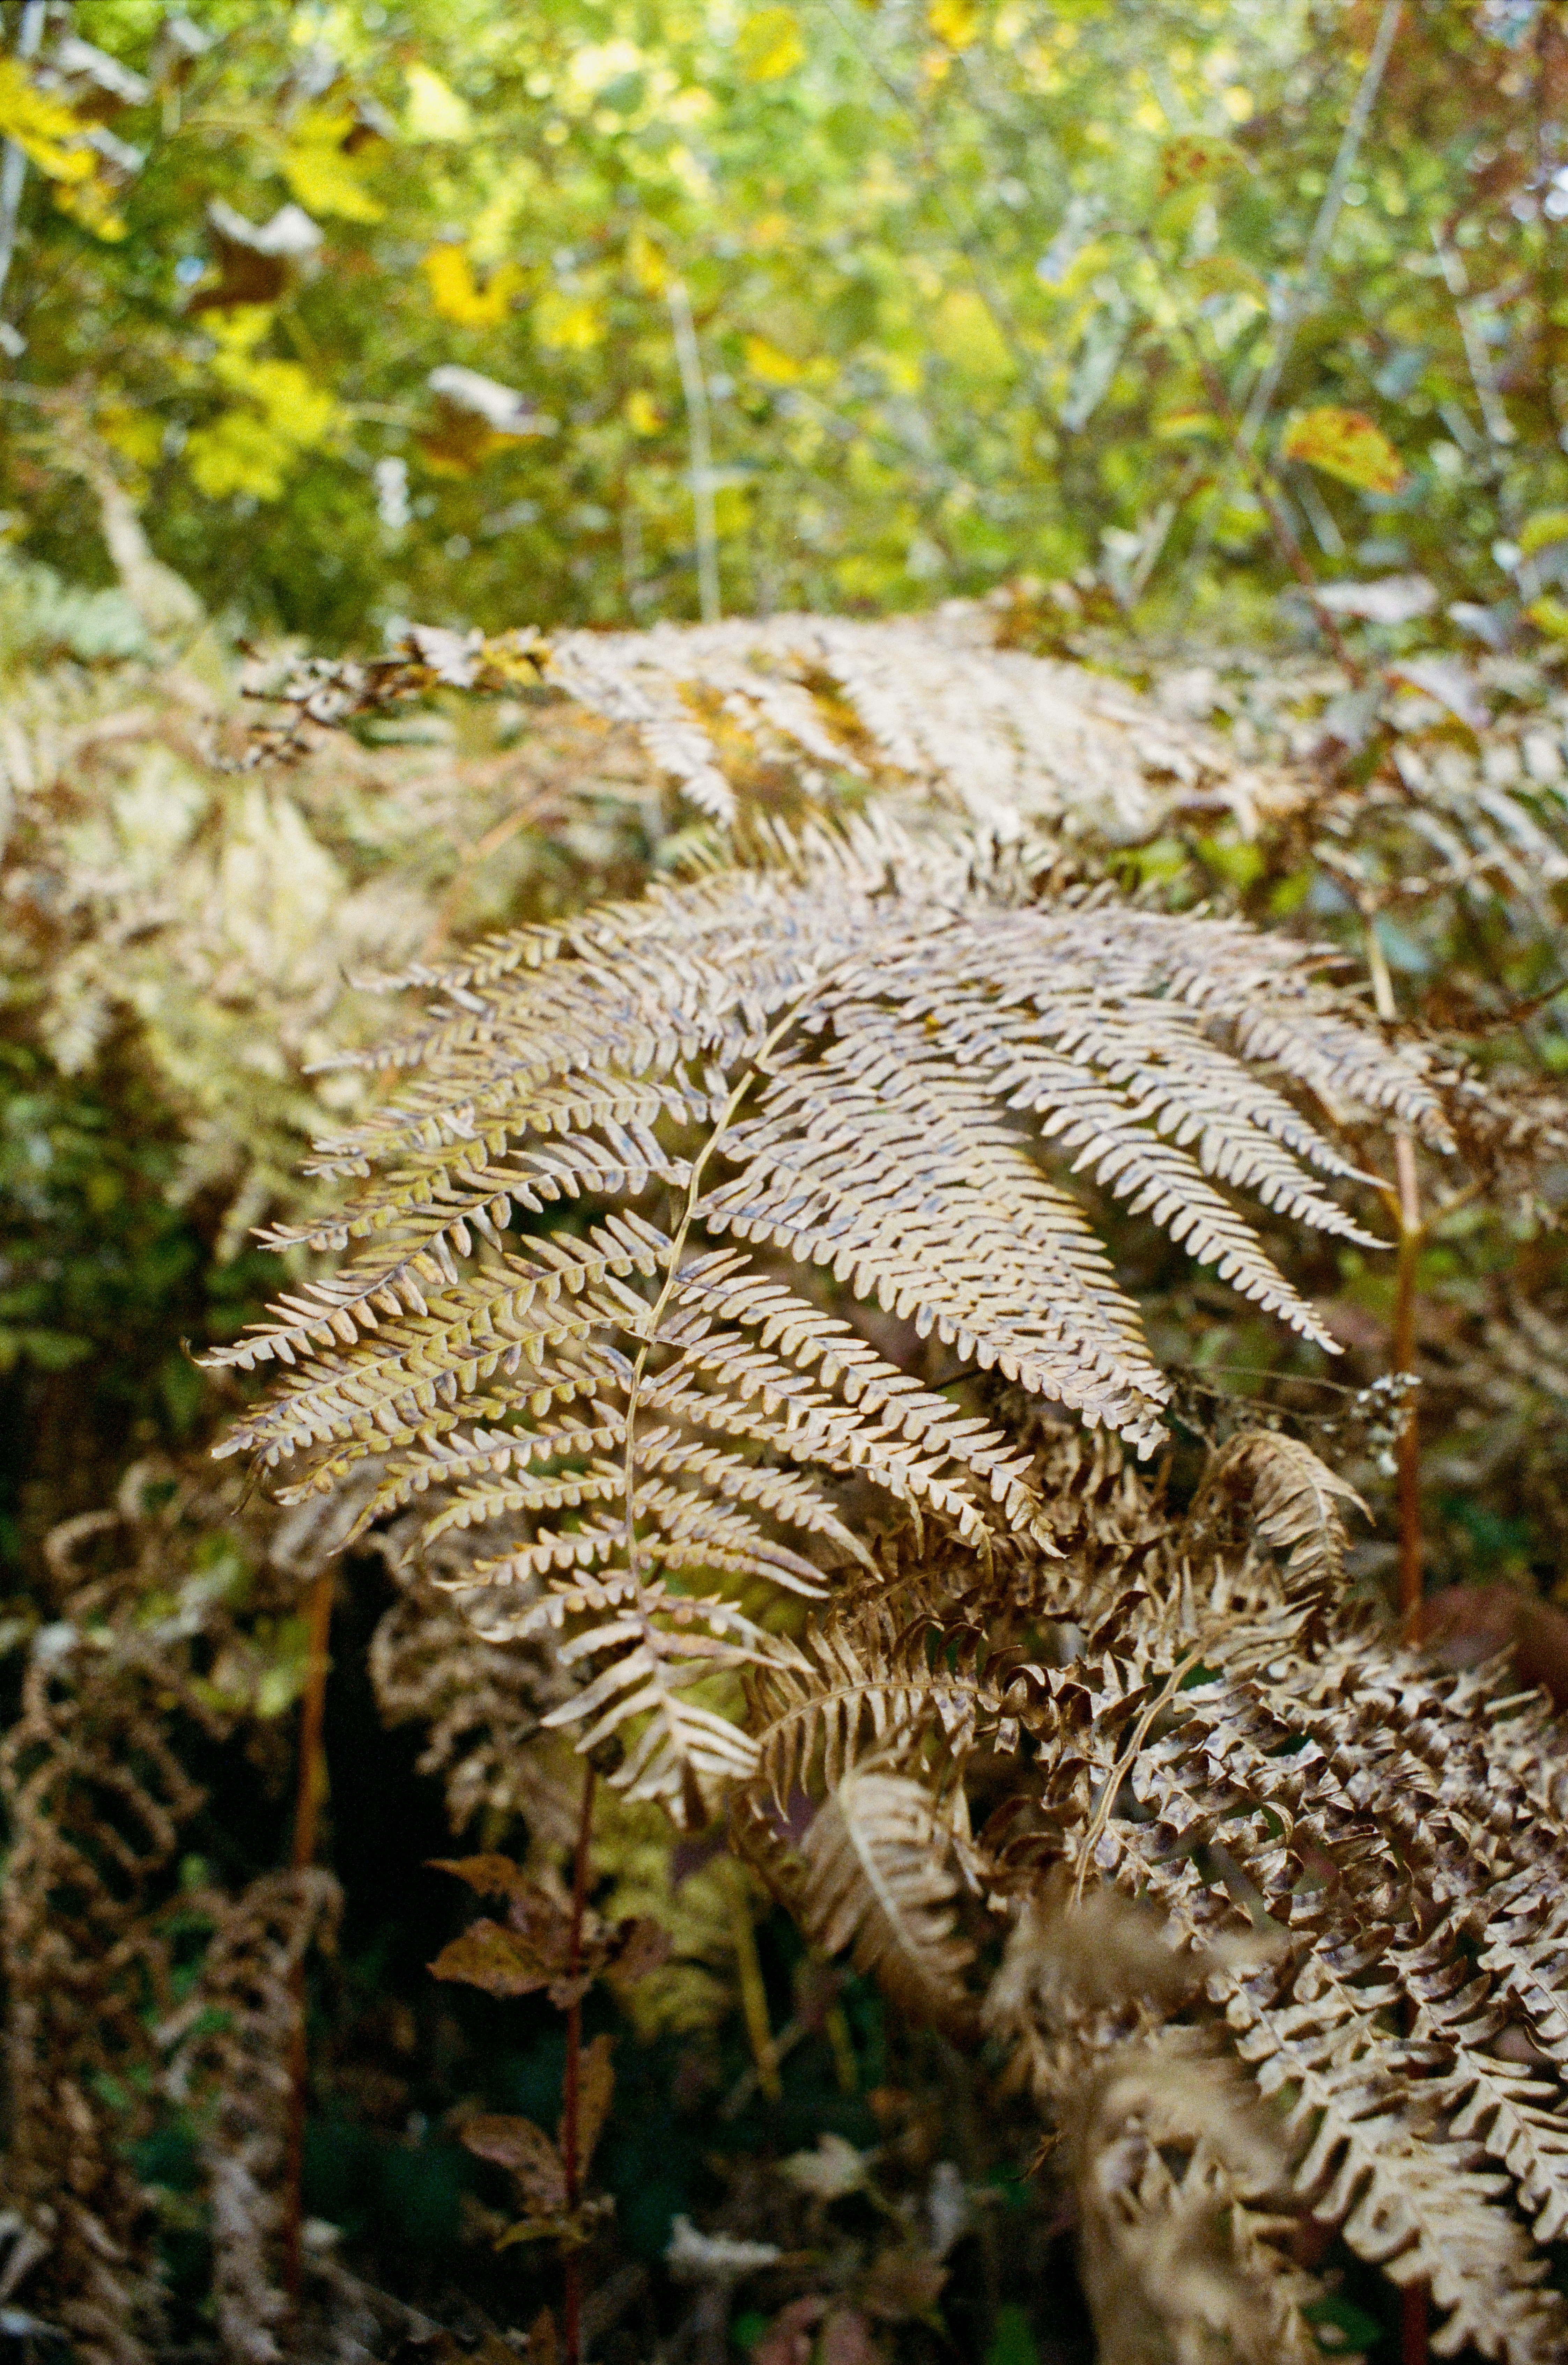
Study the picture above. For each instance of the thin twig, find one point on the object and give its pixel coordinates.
(753, 1994)
(1500, 427)
(1263, 395)
(1290, 549)
(694, 387)
(1113, 1781)
(14, 171)
(1328, 221)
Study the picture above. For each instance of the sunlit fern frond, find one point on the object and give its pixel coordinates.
(860, 1073)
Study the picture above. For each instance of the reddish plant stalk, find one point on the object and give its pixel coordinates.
(309, 1795)
(1414, 2344)
(1406, 1275)
(572, 2296)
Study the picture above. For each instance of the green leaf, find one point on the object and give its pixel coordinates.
(1338, 2326)
(1014, 2342)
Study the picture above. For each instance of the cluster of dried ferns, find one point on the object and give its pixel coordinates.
(850, 1063)
(699, 1296)
(795, 1274)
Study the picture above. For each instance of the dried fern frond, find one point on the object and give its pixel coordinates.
(96, 1797)
(154, 898)
(862, 1056)
(1259, 1764)
(232, 2045)
(879, 1880)
(1002, 736)
(1291, 1499)
(928, 706)
(169, 1611)
(481, 1704)
(1175, 2242)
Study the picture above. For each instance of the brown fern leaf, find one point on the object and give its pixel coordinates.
(862, 1684)
(481, 1703)
(1292, 1503)
(879, 1880)
(96, 1797)
(1261, 1763)
(232, 2045)
(862, 1063)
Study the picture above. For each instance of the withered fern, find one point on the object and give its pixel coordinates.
(871, 1061)
(231, 2045)
(1279, 1906)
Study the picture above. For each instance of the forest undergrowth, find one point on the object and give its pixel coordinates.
(1090, 1932)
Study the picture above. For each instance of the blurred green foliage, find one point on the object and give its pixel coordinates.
(963, 277)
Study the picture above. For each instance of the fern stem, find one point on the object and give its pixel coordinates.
(1113, 1781)
(753, 1995)
(309, 1795)
(672, 1266)
(1413, 2317)
(1406, 1200)
(845, 2068)
(572, 2296)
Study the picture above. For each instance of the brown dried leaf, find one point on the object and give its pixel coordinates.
(903, 2286)
(488, 1876)
(596, 2086)
(634, 1949)
(490, 1956)
(527, 2153)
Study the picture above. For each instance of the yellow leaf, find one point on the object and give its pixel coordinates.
(241, 328)
(646, 263)
(1346, 444)
(772, 366)
(956, 22)
(322, 175)
(284, 413)
(771, 44)
(1550, 615)
(571, 324)
(88, 202)
(302, 411)
(1538, 533)
(436, 110)
(45, 132)
(135, 434)
(643, 413)
(966, 336)
(1201, 423)
(238, 452)
(457, 295)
